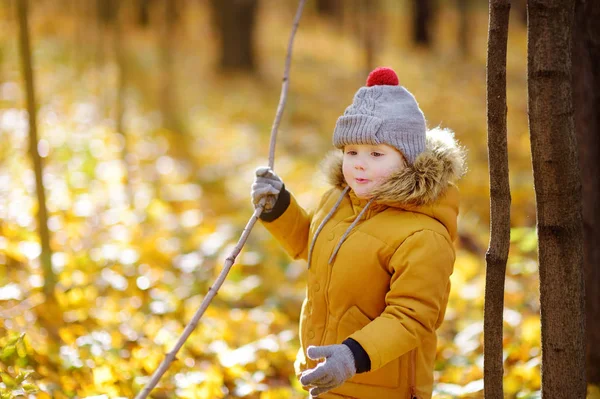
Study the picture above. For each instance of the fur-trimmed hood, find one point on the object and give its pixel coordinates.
(422, 183)
(427, 186)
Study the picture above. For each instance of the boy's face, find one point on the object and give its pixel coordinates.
(365, 166)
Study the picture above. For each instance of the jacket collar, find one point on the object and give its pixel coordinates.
(358, 204)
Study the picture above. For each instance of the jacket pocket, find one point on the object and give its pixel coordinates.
(387, 376)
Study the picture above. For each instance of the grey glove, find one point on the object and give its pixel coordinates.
(337, 368)
(266, 185)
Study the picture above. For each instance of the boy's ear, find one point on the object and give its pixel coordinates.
(402, 155)
(404, 158)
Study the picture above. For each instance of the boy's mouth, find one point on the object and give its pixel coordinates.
(361, 180)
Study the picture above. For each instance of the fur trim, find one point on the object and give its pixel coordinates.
(442, 163)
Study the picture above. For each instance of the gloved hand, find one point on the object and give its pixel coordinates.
(337, 368)
(266, 185)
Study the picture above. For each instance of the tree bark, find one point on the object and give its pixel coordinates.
(586, 101)
(235, 20)
(42, 214)
(558, 197)
(497, 254)
(422, 12)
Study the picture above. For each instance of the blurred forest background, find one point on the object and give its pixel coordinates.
(152, 116)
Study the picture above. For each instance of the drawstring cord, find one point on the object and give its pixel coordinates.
(329, 215)
(335, 251)
(346, 233)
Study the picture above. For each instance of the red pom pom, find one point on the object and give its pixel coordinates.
(382, 76)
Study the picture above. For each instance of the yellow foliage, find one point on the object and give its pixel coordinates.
(593, 392)
(102, 375)
(530, 330)
(277, 393)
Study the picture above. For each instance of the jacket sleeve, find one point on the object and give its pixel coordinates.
(416, 302)
(289, 223)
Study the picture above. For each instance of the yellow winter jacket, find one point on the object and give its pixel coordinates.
(387, 285)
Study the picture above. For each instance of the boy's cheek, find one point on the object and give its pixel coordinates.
(346, 172)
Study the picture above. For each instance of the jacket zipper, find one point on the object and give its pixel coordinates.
(413, 373)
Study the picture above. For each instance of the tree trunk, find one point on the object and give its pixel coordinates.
(119, 44)
(520, 7)
(497, 254)
(422, 13)
(558, 197)
(370, 23)
(586, 101)
(42, 216)
(168, 44)
(144, 13)
(464, 7)
(329, 8)
(104, 19)
(235, 20)
(106, 11)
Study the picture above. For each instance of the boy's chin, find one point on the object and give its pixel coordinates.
(362, 195)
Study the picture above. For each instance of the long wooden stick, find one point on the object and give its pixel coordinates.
(285, 85)
(231, 258)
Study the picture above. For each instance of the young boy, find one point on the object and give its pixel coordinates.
(378, 245)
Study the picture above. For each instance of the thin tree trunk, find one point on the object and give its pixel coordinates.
(422, 12)
(103, 19)
(236, 20)
(586, 101)
(75, 41)
(167, 79)
(42, 215)
(558, 197)
(370, 22)
(144, 13)
(329, 8)
(497, 254)
(464, 7)
(120, 101)
(520, 7)
(106, 11)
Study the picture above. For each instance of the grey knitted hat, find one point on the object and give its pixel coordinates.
(383, 113)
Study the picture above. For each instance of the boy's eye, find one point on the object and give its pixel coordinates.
(376, 154)
(351, 152)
